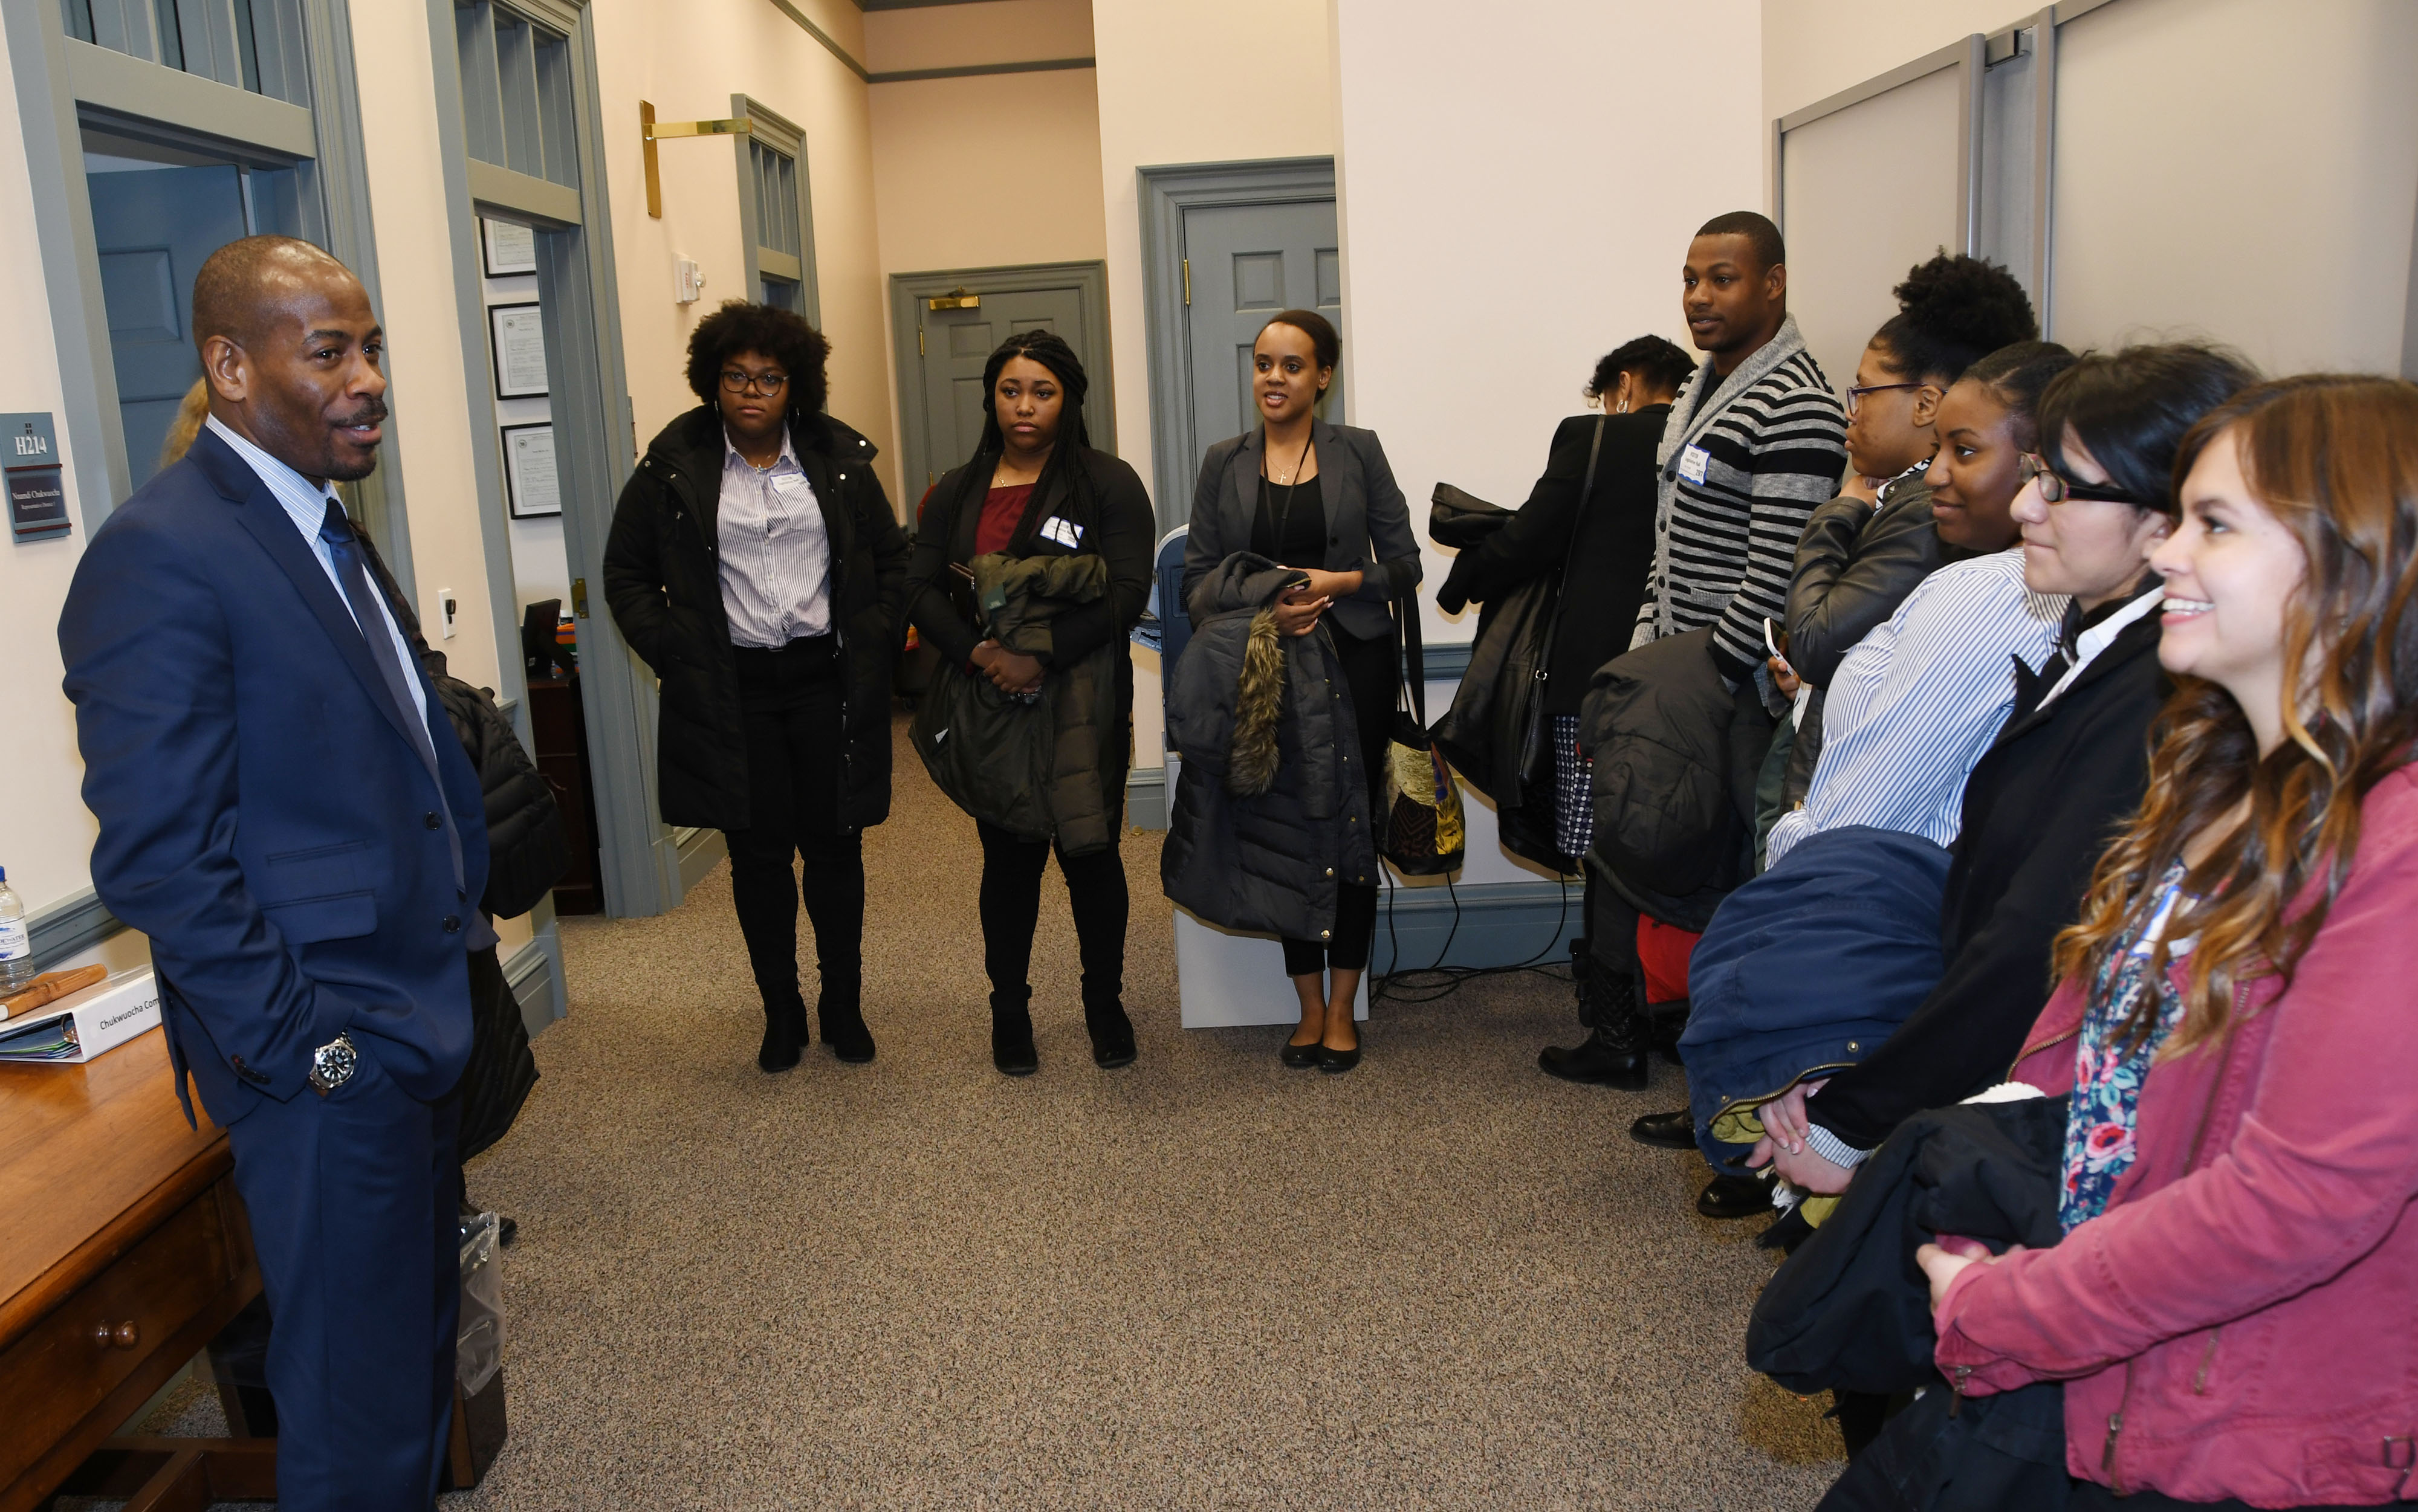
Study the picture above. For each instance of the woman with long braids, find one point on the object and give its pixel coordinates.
(2232, 1307)
(1036, 489)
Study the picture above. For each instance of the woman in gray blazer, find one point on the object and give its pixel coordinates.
(1321, 498)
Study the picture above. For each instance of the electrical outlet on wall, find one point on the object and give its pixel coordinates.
(449, 606)
(688, 281)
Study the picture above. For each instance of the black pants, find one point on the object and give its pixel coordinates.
(1373, 670)
(1011, 911)
(791, 704)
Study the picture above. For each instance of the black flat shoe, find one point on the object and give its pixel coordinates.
(1334, 1063)
(1300, 1057)
(1011, 1038)
(1735, 1197)
(845, 1033)
(1675, 1130)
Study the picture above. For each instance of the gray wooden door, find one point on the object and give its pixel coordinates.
(957, 343)
(154, 227)
(1244, 263)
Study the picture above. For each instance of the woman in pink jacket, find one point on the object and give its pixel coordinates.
(2234, 1308)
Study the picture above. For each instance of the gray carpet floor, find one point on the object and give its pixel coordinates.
(1443, 1280)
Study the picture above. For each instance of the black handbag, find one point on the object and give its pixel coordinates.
(1421, 832)
(1496, 732)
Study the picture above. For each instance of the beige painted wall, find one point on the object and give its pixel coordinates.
(987, 170)
(1812, 49)
(991, 31)
(687, 59)
(46, 833)
(1195, 80)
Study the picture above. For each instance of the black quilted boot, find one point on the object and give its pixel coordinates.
(1614, 1055)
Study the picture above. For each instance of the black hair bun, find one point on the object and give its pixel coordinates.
(1953, 310)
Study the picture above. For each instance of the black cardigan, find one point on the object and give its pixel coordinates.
(1117, 525)
(1606, 562)
(2040, 807)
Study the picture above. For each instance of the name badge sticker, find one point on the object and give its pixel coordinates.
(1064, 531)
(1691, 464)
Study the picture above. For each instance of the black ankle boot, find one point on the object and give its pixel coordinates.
(1112, 1036)
(1011, 1033)
(1614, 1054)
(844, 1028)
(784, 1033)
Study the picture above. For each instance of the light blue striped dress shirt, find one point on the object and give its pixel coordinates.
(306, 505)
(1920, 699)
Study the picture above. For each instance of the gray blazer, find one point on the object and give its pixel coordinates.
(1367, 520)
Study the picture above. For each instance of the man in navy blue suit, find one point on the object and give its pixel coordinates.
(304, 844)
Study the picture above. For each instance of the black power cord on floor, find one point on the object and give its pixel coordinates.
(1428, 984)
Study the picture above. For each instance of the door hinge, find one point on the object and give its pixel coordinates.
(579, 597)
(919, 338)
(1187, 284)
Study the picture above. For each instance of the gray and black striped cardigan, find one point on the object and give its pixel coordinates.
(1774, 439)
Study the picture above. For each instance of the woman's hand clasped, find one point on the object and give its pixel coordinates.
(1009, 671)
(1945, 1261)
(1783, 1144)
(1298, 610)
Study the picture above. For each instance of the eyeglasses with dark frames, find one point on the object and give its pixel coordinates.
(1856, 392)
(768, 383)
(2056, 489)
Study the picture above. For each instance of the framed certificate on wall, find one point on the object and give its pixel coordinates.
(518, 333)
(510, 249)
(530, 485)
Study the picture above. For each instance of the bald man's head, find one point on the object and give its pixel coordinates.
(291, 352)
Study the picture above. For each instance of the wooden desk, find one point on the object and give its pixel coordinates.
(123, 1250)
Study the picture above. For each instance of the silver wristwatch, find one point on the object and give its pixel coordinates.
(332, 1065)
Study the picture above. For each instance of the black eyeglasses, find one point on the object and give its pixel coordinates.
(1856, 394)
(2056, 489)
(767, 384)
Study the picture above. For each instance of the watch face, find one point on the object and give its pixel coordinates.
(332, 1064)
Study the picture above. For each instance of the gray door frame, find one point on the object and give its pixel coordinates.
(594, 445)
(908, 291)
(61, 84)
(787, 138)
(1166, 193)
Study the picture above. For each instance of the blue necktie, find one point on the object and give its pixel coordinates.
(336, 529)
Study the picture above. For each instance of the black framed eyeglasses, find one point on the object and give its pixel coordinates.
(1856, 392)
(768, 383)
(2057, 489)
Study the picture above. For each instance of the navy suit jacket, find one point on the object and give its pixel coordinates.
(264, 816)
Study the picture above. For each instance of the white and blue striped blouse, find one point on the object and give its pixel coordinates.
(1920, 699)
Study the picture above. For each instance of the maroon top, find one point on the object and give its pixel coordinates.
(1002, 510)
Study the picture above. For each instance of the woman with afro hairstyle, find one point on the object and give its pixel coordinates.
(756, 565)
(1034, 488)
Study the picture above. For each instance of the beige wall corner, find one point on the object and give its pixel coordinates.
(1497, 247)
(989, 31)
(1812, 49)
(688, 59)
(46, 843)
(1194, 81)
(431, 372)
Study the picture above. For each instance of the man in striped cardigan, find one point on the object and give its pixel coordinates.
(1754, 445)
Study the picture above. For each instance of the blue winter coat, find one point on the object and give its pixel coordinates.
(1808, 968)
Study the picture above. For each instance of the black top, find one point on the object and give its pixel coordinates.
(1368, 520)
(1290, 526)
(2040, 807)
(1607, 559)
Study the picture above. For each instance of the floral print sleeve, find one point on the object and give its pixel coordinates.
(2107, 1071)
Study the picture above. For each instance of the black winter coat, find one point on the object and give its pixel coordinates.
(663, 580)
(1855, 566)
(1676, 757)
(1272, 863)
(2040, 807)
(1602, 567)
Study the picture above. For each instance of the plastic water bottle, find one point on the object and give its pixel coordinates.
(16, 944)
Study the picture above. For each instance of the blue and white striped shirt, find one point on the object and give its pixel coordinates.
(1920, 699)
(307, 507)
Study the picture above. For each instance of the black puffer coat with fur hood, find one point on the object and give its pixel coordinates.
(1248, 848)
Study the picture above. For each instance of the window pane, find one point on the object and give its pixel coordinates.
(482, 92)
(777, 292)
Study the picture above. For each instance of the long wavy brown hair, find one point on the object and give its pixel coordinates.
(2335, 458)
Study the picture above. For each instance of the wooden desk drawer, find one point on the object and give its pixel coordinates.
(55, 1376)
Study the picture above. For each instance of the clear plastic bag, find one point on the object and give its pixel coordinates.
(478, 1349)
